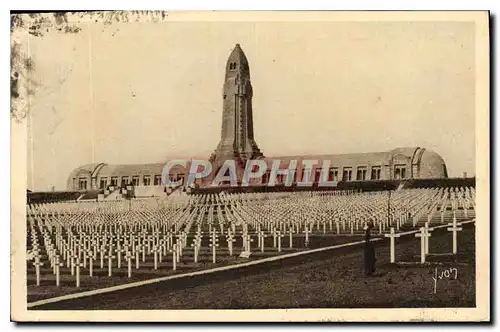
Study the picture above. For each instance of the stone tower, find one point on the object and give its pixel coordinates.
(237, 140)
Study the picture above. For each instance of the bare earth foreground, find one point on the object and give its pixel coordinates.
(333, 279)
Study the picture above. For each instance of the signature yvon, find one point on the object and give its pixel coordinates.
(447, 274)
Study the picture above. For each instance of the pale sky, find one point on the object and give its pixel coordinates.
(144, 92)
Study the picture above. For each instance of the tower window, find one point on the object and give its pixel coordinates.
(232, 65)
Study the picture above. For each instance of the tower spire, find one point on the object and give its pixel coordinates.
(237, 137)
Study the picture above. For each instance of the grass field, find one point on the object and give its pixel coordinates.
(100, 279)
(332, 279)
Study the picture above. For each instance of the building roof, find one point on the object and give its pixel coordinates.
(353, 159)
(432, 164)
(87, 169)
(133, 169)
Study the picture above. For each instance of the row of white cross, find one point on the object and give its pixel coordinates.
(424, 234)
(81, 234)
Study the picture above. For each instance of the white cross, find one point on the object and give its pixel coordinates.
(155, 250)
(454, 229)
(290, 235)
(102, 250)
(213, 243)
(37, 264)
(110, 258)
(73, 258)
(174, 256)
(195, 248)
(119, 251)
(279, 236)
(58, 265)
(306, 231)
(142, 248)
(427, 229)
(78, 264)
(249, 242)
(262, 236)
(180, 245)
(128, 258)
(423, 235)
(393, 237)
(91, 258)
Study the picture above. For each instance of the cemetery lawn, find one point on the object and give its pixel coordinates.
(334, 280)
(100, 279)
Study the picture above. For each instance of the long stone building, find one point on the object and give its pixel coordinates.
(238, 143)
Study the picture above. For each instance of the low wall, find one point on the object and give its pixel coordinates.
(363, 186)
